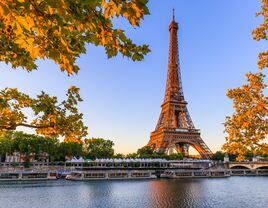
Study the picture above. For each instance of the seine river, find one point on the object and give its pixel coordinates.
(201, 193)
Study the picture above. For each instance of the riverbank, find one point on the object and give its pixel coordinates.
(103, 168)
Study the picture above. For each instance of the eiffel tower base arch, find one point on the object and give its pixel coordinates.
(164, 141)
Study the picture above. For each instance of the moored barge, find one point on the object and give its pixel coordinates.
(195, 173)
(110, 174)
(28, 176)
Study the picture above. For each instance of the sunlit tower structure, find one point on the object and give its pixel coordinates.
(175, 129)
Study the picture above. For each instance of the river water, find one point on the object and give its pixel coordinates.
(163, 193)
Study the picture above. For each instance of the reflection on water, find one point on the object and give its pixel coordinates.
(202, 193)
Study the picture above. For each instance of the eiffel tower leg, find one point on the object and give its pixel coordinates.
(204, 152)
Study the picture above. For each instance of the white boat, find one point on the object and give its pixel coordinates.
(39, 176)
(28, 176)
(110, 174)
(179, 173)
(9, 176)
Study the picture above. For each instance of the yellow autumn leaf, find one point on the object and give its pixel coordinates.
(22, 21)
(35, 52)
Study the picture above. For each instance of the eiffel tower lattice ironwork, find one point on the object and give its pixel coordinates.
(175, 129)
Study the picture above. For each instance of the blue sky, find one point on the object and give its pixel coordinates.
(122, 98)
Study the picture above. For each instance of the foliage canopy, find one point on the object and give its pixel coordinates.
(27, 144)
(248, 126)
(99, 148)
(261, 33)
(58, 30)
(50, 117)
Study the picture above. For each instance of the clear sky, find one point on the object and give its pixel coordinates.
(122, 98)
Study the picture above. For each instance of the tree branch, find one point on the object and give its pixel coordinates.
(13, 127)
(261, 145)
(34, 126)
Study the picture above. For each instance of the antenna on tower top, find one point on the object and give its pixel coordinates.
(173, 14)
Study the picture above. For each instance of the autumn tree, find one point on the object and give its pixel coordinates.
(261, 33)
(50, 117)
(59, 30)
(247, 128)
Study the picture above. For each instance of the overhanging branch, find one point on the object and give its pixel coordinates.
(13, 127)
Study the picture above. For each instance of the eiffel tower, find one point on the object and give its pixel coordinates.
(175, 129)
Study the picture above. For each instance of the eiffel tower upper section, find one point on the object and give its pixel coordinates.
(174, 113)
(174, 90)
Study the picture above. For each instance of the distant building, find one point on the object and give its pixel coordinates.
(18, 157)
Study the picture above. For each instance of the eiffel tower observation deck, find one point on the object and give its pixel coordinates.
(175, 129)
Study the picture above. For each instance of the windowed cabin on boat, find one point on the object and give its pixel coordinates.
(24, 176)
(117, 163)
(110, 174)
